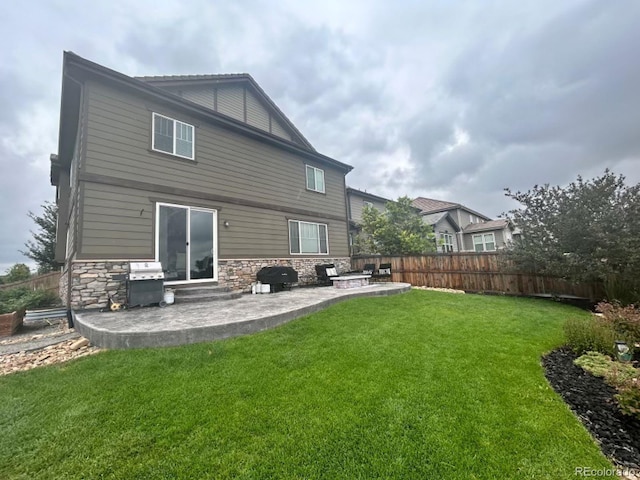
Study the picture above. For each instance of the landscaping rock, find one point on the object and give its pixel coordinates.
(58, 353)
(592, 400)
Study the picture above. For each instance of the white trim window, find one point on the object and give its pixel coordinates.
(172, 137)
(484, 242)
(308, 238)
(447, 242)
(315, 179)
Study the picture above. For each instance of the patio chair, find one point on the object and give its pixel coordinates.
(368, 268)
(384, 272)
(324, 272)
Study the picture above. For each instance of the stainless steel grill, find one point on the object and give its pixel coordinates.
(145, 271)
(145, 285)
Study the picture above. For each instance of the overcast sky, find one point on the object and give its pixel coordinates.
(452, 100)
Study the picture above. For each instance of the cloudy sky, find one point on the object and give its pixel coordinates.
(452, 100)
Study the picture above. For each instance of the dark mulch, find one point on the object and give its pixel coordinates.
(592, 400)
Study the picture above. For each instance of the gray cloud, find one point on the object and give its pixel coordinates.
(454, 100)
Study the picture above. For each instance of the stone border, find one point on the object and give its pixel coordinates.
(112, 339)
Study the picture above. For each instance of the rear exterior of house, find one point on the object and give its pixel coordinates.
(204, 174)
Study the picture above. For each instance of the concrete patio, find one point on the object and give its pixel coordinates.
(203, 322)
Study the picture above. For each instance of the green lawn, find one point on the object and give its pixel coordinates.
(424, 385)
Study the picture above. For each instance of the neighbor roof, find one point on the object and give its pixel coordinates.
(484, 226)
(431, 205)
(367, 195)
(433, 218)
(225, 78)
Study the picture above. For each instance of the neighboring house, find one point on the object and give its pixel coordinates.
(461, 229)
(203, 173)
(357, 200)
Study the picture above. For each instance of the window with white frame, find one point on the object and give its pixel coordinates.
(484, 242)
(308, 237)
(172, 137)
(315, 179)
(447, 242)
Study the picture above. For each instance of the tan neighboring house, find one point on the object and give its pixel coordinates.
(461, 229)
(202, 173)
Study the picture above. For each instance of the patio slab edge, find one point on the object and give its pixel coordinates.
(118, 340)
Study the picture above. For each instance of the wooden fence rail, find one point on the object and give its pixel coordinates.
(476, 272)
(48, 281)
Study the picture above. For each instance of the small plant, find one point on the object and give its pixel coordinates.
(628, 398)
(590, 334)
(595, 363)
(622, 376)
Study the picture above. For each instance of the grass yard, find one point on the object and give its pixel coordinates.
(424, 385)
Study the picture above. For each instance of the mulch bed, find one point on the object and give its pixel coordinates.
(592, 401)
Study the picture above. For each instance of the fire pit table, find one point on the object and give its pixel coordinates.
(351, 281)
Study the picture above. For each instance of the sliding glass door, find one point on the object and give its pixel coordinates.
(186, 243)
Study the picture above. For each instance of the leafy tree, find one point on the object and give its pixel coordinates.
(17, 273)
(399, 230)
(587, 231)
(42, 248)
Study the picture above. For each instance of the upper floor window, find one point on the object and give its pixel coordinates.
(447, 242)
(172, 136)
(307, 237)
(484, 242)
(315, 179)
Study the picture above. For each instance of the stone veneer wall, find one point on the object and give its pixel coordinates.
(63, 286)
(92, 282)
(241, 273)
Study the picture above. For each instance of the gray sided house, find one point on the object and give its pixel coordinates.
(202, 173)
(357, 200)
(461, 229)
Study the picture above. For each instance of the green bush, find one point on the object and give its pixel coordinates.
(590, 334)
(25, 298)
(624, 320)
(628, 398)
(616, 374)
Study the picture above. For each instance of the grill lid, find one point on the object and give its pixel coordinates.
(145, 271)
(277, 274)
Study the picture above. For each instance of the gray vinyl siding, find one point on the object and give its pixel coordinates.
(257, 115)
(231, 102)
(202, 95)
(117, 221)
(498, 234)
(278, 130)
(356, 205)
(444, 226)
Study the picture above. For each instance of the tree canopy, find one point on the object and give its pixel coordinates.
(399, 230)
(42, 248)
(17, 273)
(586, 231)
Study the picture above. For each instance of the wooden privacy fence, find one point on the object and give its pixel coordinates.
(48, 281)
(476, 272)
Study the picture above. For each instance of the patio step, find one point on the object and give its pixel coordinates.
(211, 293)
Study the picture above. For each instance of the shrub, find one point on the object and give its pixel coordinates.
(623, 376)
(624, 320)
(590, 334)
(25, 298)
(628, 397)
